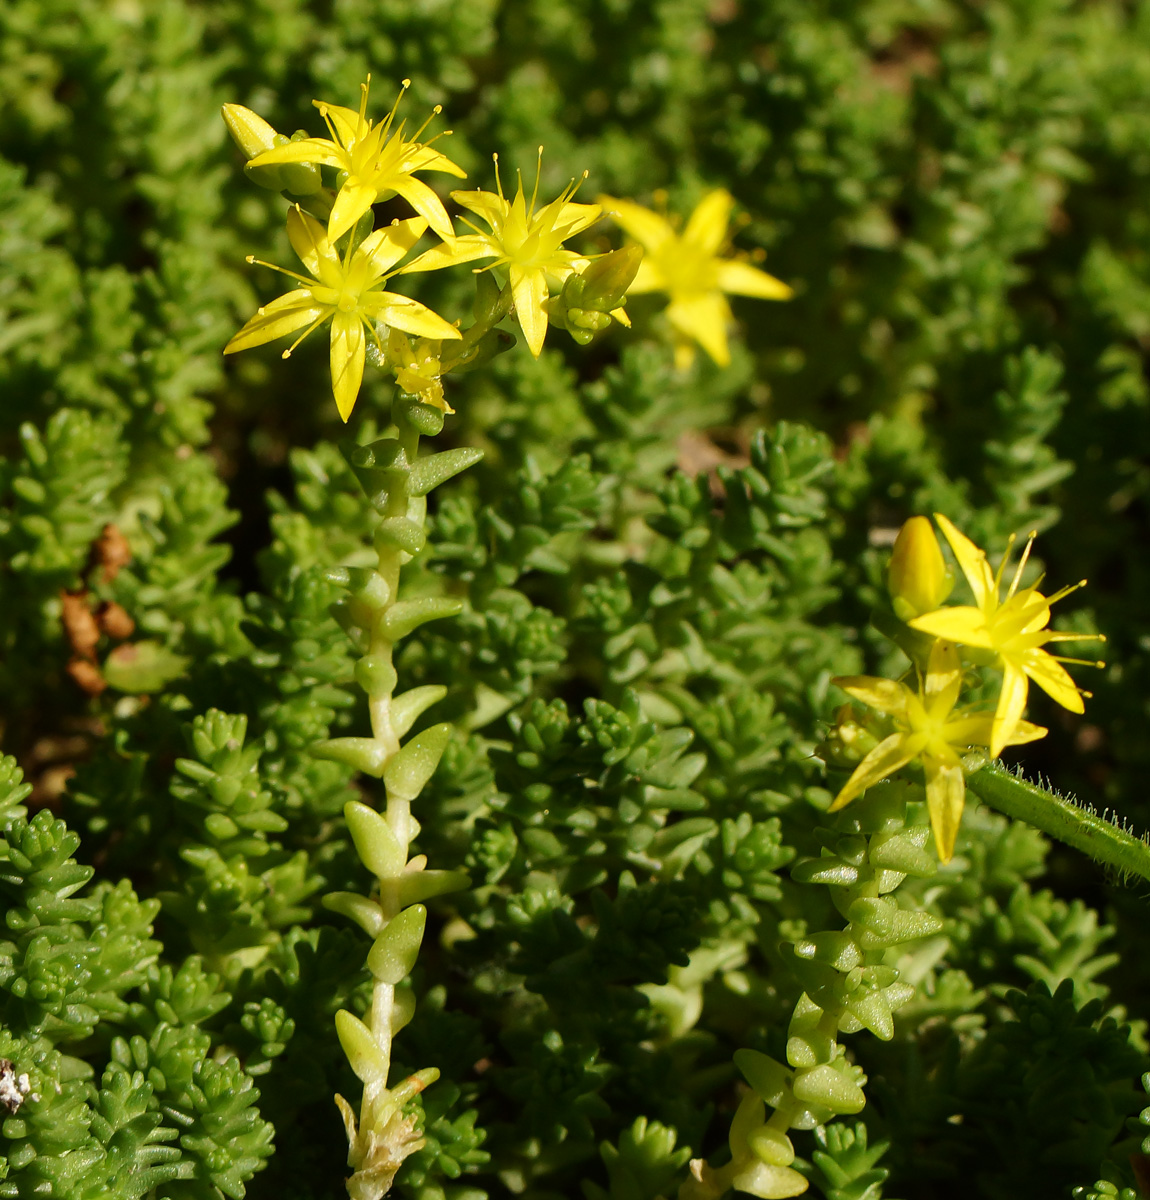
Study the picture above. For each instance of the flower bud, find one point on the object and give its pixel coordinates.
(918, 578)
(254, 136)
(249, 130)
(606, 280)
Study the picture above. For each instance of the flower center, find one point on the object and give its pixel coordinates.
(348, 301)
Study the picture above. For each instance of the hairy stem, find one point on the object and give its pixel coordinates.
(1078, 826)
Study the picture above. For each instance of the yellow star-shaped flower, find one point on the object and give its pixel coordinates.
(687, 267)
(527, 242)
(1011, 630)
(377, 162)
(348, 292)
(927, 728)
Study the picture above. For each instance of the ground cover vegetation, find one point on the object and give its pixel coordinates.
(598, 800)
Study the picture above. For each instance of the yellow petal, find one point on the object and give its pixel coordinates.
(972, 561)
(945, 798)
(886, 758)
(708, 224)
(883, 695)
(649, 229)
(1011, 702)
(741, 279)
(574, 218)
(704, 318)
(451, 253)
(309, 240)
(492, 208)
(425, 202)
(620, 315)
(648, 278)
(306, 150)
(428, 159)
(345, 120)
(529, 287)
(407, 314)
(684, 352)
(970, 731)
(943, 677)
(353, 201)
(347, 357)
(963, 624)
(382, 249)
(282, 316)
(1053, 678)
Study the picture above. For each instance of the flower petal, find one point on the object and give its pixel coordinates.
(450, 253)
(943, 678)
(306, 150)
(492, 208)
(348, 353)
(353, 201)
(707, 226)
(409, 315)
(529, 287)
(973, 562)
(1011, 702)
(425, 202)
(1053, 678)
(574, 218)
(345, 120)
(963, 624)
(309, 240)
(283, 315)
(382, 249)
(945, 799)
(741, 279)
(649, 229)
(648, 278)
(883, 695)
(427, 159)
(704, 318)
(886, 758)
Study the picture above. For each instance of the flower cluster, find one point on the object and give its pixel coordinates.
(923, 722)
(332, 184)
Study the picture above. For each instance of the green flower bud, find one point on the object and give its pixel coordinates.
(605, 282)
(249, 130)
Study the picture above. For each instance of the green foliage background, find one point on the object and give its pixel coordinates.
(960, 194)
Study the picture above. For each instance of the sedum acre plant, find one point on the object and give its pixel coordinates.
(501, 750)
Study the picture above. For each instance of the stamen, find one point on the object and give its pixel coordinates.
(1002, 564)
(570, 190)
(361, 125)
(434, 113)
(1079, 662)
(318, 321)
(498, 181)
(1022, 564)
(1075, 637)
(330, 127)
(1065, 591)
(259, 262)
(403, 86)
(535, 189)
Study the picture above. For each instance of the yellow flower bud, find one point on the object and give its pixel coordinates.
(249, 130)
(917, 577)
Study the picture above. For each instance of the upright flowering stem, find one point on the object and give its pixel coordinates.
(847, 986)
(396, 481)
